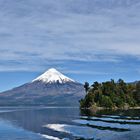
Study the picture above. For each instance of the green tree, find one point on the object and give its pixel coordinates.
(86, 86)
(137, 93)
(106, 102)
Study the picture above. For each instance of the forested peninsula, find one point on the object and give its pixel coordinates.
(111, 95)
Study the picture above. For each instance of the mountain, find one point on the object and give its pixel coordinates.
(52, 88)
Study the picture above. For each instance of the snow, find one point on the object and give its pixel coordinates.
(53, 76)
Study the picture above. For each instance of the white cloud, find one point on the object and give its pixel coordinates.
(87, 72)
(35, 33)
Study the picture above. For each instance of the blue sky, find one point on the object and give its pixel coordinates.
(87, 40)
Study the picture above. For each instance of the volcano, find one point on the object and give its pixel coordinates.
(52, 88)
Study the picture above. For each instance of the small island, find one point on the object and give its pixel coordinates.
(111, 95)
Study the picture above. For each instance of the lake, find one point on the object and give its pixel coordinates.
(52, 123)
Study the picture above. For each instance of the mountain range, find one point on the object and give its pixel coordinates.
(52, 88)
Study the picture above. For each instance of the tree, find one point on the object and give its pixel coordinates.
(95, 85)
(86, 86)
(106, 102)
(137, 93)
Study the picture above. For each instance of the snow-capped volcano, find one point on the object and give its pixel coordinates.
(52, 76)
(51, 88)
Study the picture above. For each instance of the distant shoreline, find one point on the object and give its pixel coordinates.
(95, 108)
(39, 107)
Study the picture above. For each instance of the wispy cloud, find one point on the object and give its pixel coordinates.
(86, 72)
(37, 34)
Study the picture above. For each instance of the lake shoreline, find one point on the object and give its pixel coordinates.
(95, 108)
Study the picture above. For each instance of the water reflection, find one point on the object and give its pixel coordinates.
(124, 113)
(33, 119)
(70, 123)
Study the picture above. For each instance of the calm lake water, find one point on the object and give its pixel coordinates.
(68, 124)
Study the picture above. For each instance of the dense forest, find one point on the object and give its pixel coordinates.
(111, 94)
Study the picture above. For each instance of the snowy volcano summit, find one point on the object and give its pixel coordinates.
(52, 88)
(53, 76)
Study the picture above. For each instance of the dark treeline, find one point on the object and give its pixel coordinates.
(111, 94)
